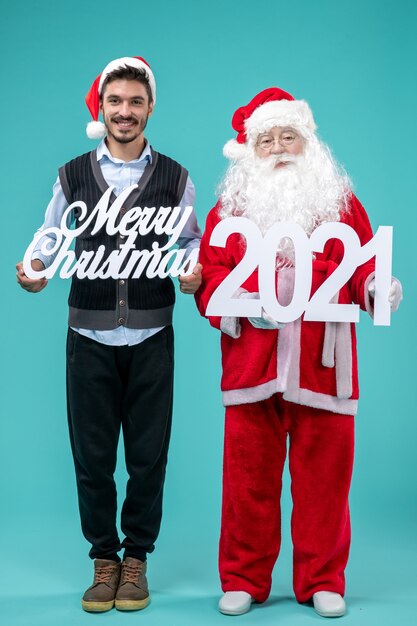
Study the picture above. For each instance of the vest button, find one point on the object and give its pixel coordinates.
(121, 321)
(121, 282)
(122, 211)
(122, 302)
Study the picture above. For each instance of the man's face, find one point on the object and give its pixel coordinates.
(125, 108)
(278, 142)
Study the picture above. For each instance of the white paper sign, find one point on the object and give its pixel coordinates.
(162, 261)
(261, 253)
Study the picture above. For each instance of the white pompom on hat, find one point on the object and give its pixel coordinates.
(271, 107)
(96, 129)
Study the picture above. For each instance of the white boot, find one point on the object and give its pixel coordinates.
(235, 603)
(329, 604)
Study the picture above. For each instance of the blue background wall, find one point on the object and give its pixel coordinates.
(354, 63)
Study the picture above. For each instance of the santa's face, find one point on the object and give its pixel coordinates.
(278, 142)
(307, 190)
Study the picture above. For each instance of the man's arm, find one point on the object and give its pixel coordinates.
(53, 216)
(189, 240)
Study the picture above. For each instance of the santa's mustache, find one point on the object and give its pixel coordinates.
(282, 158)
(268, 164)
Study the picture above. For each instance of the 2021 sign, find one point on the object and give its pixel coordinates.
(261, 252)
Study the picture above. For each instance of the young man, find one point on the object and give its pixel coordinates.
(297, 379)
(120, 339)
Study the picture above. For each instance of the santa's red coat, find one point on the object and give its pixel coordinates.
(310, 363)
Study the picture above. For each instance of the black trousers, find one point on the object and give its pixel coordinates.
(109, 388)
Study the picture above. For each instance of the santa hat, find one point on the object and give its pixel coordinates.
(96, 129)
(269, 108)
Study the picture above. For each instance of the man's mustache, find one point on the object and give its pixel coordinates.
(119, 118)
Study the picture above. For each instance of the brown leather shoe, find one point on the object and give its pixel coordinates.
(100, 596)
(133, 593)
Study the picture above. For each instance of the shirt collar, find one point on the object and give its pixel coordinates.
(103, 152)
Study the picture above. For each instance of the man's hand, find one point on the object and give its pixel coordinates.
(190, 283)
(30, 284)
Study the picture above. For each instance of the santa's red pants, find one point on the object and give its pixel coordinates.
(320, 461)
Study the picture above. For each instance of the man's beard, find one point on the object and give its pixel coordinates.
(139, 127)
(308, 190)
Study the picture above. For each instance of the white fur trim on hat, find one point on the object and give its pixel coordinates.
(234, 150)
(130, 62)
(294, 113)
(95, 130)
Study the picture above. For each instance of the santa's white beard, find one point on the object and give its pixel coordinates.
(308, 190)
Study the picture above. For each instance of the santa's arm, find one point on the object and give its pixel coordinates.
(362, 283)
(218, 263)
(216, 267)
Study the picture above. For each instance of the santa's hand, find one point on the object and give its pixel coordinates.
(265, 322)
(395, 294)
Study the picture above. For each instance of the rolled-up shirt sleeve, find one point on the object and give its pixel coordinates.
(191, 234)
(53, 216)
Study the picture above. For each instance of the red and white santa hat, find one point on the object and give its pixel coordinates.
(271, 107)
(96, 129)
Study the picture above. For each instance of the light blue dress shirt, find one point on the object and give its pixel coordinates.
(121, 175)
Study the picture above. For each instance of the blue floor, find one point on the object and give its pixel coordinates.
(190, 609)
(44, 591)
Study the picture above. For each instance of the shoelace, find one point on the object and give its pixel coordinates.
(131, 573)
(104, 574)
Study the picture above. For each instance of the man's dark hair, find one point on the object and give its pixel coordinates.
(128, 73)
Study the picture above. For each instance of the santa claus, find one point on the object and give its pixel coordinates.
(297, 380)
